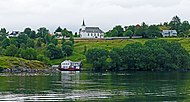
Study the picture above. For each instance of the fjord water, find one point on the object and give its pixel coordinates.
(88, 86)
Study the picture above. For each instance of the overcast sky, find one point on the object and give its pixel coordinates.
(19, 14)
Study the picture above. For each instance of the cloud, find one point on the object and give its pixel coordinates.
(19, 14)
(129, 3)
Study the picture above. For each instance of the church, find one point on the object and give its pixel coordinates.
(90, 32)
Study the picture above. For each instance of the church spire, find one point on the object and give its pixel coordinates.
(83, 23)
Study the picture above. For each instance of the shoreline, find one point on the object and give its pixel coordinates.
(49, 70)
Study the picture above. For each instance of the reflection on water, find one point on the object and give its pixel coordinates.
(69, 79)
(87, 86)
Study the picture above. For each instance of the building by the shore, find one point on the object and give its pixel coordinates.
(69, 65)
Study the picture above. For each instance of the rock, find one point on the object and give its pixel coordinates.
(27, 70)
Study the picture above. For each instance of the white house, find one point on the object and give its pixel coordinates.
(70, 65)
(90, 32)
(58, 35)
(66, 64)
(14, 34)
(167, 33)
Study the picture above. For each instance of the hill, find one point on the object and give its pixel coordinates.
(80, 47)
(83, 45)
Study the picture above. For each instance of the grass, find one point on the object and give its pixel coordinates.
(79, 47)
(11, 62)
(78, 53)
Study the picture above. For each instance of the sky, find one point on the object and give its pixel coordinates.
(19, 14)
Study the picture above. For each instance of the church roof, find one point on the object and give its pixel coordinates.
(93, 30)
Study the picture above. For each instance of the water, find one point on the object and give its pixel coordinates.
(87, 86)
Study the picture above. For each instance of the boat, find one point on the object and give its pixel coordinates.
(69, 69)
(69, 65)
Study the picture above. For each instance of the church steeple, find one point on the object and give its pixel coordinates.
(83, 23)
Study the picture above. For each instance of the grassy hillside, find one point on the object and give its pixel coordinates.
(110, 44)
(11, 62)
(78, 54)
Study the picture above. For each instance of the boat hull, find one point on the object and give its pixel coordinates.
(69, 69)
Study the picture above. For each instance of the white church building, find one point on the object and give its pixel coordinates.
(90, 32)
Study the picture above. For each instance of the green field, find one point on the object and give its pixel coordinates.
(78, 53)
(79, 47)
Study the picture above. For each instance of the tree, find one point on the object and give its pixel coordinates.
(72, 39)
(42, 58)
(3, 31)
(153, 31)
(76, 35)
(42, 32)
(128, 33)
(39, 43)
(59, 29)
(185, 26)
(47, 39)
(5, 43)
(115, 60)
(23, 46)
(27, 31)
(63, 41)
(132, 28)
(141, 30)
(98, 58)
(14, 41)
(117, 31)
(166, 24)
(1, 51)
(22, 39)
(175, 24)
(32, 34)
(11, 50)
(21, 52)
(3, 34)
(2, 37)
(144, 25)
(29, 54)
(66, 33)
(175, 50)
(30, 43)
(67, 49)
(154, 55)
(112, 33)
(54, 41)
(53, 52)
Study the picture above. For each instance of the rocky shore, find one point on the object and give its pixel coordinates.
(28, 70)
